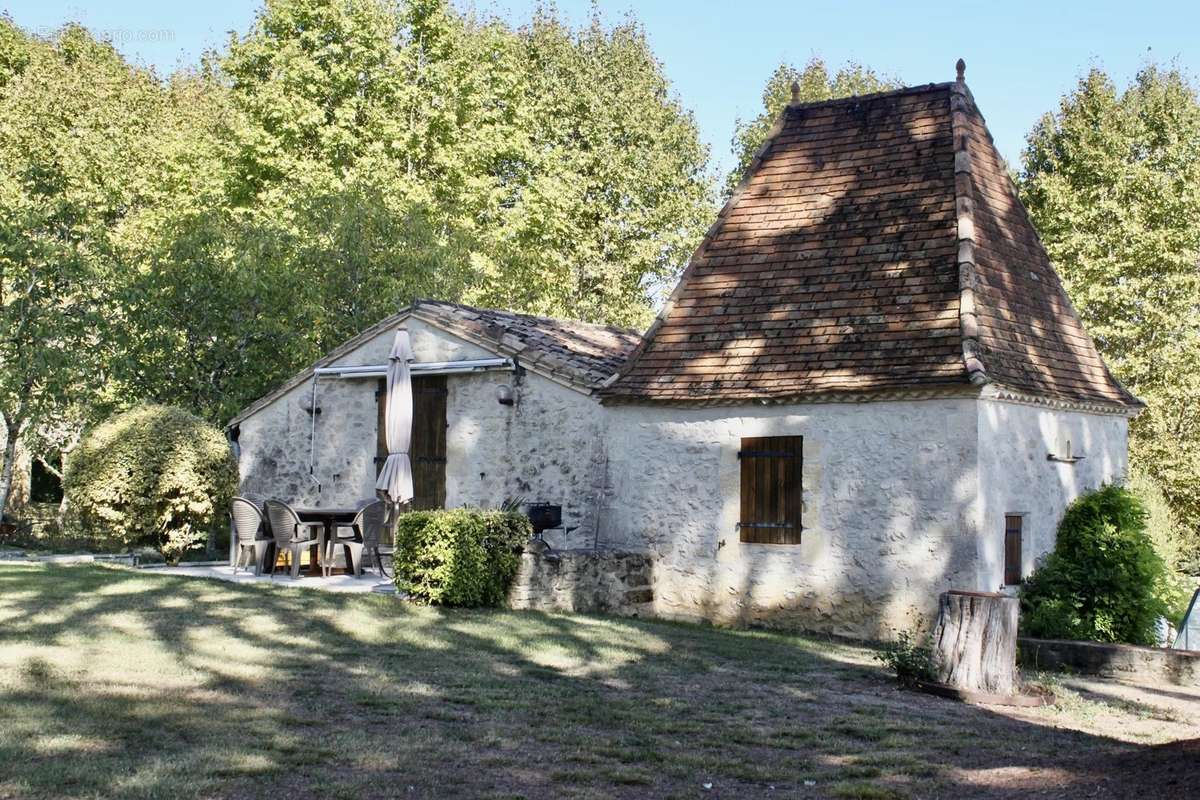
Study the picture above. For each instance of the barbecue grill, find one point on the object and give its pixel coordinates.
(543, 517)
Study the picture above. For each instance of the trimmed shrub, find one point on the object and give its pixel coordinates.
(459, 557)
(154, 475)
(1103, 582)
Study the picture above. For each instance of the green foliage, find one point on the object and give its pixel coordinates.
(192, 241)
(1170, 538)
(423, 152)
(459, 557)
(154, 475)
(73, 128)
(816, 83)
(1103, 581)
(1112, 182)
(910, 656)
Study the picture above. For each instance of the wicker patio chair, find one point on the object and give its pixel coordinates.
(252, 539)
(359, 536)
(291, 534)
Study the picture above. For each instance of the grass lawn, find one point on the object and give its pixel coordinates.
(120, 683)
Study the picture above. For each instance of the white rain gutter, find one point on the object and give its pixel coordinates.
(419, 368)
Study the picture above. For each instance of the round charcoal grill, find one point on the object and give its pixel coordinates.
(544, 517)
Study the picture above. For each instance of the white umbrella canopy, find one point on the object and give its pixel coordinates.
(395, 483)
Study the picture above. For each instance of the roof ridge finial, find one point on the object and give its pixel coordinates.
(795, 91)
(960, 68)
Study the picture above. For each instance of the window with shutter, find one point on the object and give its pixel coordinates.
(1012, 549)
(772, 470)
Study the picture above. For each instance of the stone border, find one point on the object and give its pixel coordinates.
(1157, 664)
(1019, 699)
(585, 581)
(13, 557)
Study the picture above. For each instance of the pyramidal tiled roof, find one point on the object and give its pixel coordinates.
(875, 243)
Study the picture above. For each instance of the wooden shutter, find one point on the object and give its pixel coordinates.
(1012, 549)
(772, 470)
(381, 450)
(428, 448)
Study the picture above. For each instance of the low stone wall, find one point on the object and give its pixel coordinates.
(1180, 667)
(589, 581)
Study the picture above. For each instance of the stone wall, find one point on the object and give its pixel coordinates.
(546, 447)
(1017, 477)
(903, 499)
(585, 581)
(1155, 664)
(890, 511)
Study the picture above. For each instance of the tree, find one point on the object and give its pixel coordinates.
(815, 84)
(539, 168)
(69, 139)
(1112, 182)
(194, 240)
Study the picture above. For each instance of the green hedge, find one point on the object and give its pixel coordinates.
(1103, 582)
(155, 476)
(459, 557)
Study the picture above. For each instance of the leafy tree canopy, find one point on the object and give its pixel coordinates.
(193, 240)
(1112, 182)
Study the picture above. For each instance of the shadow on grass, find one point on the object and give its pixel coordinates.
(115, 683)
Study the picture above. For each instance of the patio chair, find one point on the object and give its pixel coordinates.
(252, 539)
(356, 537)
(292, 535)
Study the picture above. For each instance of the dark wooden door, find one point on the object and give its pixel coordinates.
(427, 451)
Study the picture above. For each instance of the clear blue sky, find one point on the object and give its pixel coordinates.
(1021, 56)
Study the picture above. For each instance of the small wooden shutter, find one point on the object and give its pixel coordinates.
(1012, 549)
(772, 489)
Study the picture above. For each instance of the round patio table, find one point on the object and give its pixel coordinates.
(330, 516)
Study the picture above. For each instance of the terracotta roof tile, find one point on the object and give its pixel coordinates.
(835, 267)
(581, 352)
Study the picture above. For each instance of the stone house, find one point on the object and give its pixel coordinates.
(868, 386)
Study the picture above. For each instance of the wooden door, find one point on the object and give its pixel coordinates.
(427, 450)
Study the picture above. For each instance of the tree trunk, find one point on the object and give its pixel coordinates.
(975, 642)
(13, 432)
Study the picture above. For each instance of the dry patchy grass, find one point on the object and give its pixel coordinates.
(116, 683)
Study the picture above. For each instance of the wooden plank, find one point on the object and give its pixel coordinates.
(428, 448)
(747, 496)
(1013, 525)
(381, 450)
(794, 513)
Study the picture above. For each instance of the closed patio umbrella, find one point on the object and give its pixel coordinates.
(395, 483)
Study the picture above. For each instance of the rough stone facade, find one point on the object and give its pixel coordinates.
(903, 498)
(1033, 461)
(546, 447)
(588, 581)
(890, 511)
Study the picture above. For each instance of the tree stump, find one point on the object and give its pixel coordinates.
(975, 642)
